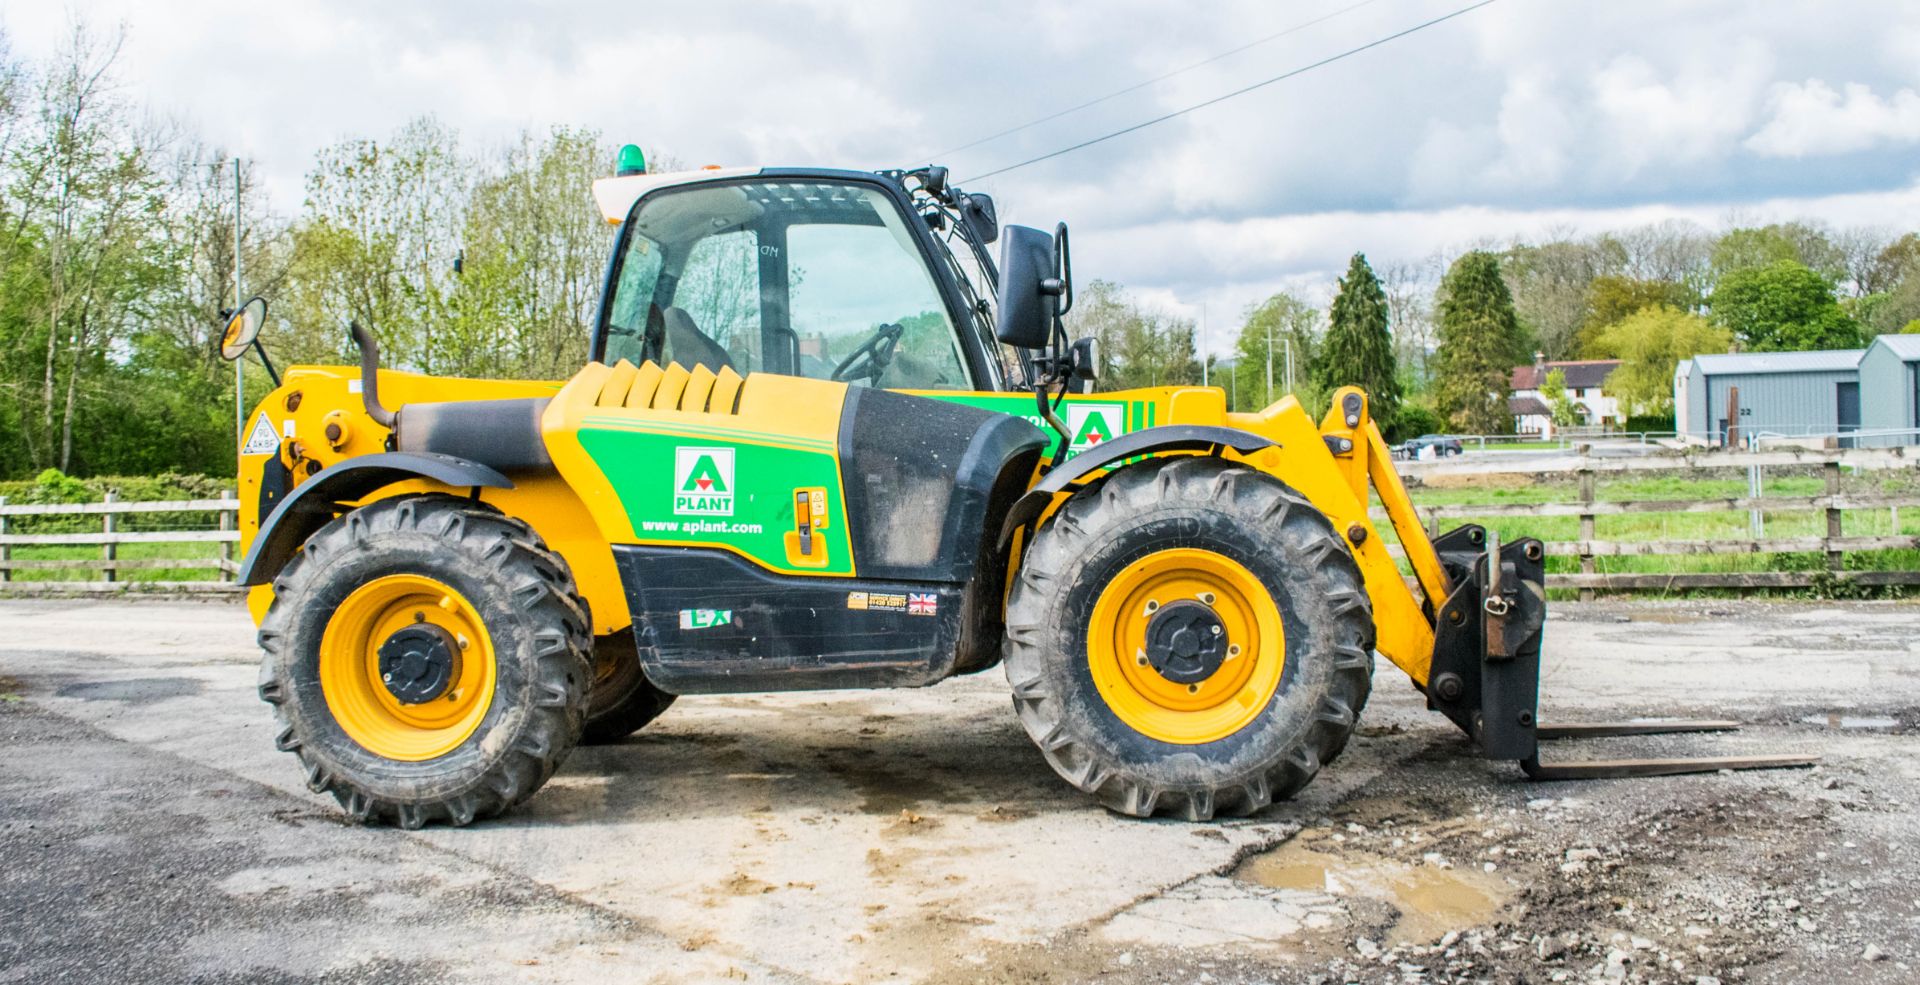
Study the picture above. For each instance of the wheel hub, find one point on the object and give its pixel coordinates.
(1186, 642)
(418, 662)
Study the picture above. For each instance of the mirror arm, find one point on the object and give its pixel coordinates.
(261, 351)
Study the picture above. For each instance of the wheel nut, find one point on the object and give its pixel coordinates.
(1206, 597)
(1193, 689)
(1233, 649)
(419, 617)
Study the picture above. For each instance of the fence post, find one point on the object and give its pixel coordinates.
(6, 550)
(110, 551)
(1835, 562)
(226, 546)
(1586, 518)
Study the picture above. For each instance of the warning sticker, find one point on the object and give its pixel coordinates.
(882, 601)
(263, 439)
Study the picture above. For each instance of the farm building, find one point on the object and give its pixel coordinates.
(1890, 390)
(1782, 393)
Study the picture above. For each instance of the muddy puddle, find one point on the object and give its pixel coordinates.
(1429, 899)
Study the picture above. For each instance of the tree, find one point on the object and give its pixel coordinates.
(1550, 282)
(1290, 324)
(1782, 307)
(1611, 299)
(1554, 390)
(1650, 344)
(1358, 349)
(1480, 343)
(1140, 345)
(1751, 248)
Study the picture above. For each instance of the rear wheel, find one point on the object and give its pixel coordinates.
(426, 660)
(1191, 637)
(623, 700)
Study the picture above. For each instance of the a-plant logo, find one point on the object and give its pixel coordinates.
(1093, 424)
(703, 481)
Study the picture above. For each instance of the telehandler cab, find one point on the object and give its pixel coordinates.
(825, 441)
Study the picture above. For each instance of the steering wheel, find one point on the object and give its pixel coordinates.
(871, 358)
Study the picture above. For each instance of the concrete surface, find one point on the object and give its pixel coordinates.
(150, 832)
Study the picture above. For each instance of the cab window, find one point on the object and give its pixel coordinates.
(810, 278)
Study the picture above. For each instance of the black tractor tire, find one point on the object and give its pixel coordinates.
(623, 701)
(1306, 569)
(526, 602)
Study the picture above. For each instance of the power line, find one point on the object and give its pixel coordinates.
(1237, 92)
(1153, 81)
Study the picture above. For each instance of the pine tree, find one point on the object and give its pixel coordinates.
(1480, 343)
(1358, 349)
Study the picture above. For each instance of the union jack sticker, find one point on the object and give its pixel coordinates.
(922, 605)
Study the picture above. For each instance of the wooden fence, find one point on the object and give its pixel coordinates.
(220, 564)
(1584, 468)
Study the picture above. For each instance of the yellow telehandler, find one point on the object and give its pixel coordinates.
(825, 440)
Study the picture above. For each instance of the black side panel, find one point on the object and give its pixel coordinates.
(709, 622)
(502, 434)
(920, 477)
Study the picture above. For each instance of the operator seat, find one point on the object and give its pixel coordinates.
(689, 346)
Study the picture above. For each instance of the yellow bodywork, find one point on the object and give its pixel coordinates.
(1337, 463)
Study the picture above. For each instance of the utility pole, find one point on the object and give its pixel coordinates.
(1269, 364)
(239, 298)
(1205, 376)
(1289, 344)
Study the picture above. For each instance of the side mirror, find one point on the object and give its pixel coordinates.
(1030, 291)
(979, 213)
(243, 326)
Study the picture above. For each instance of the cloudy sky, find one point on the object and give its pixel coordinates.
(1517, 119)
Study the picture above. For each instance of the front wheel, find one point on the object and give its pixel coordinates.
(426, 660)
(1190, 637)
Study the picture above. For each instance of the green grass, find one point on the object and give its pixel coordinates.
(126, 552)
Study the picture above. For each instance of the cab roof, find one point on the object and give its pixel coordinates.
(616, 195)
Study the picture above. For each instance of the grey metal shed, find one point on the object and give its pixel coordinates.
(1787, 393)
(1890, 390)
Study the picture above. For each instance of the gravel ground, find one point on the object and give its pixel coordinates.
(149, 832)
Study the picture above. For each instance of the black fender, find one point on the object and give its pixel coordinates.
(1208, 438)
(311, 506)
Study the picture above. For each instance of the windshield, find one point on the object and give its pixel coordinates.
(810, 278)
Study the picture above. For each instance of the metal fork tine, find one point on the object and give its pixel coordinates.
(1603, 769)
(1597, 730)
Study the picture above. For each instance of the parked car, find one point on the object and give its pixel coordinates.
(1441, 444)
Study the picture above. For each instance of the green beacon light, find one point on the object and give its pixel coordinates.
(631, 161)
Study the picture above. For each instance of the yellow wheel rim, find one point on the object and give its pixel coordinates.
(1197, 711)
(360, 699)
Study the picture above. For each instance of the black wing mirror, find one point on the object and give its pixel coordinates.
(1030, 289)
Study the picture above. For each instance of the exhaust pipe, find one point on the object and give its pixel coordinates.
(370, 375)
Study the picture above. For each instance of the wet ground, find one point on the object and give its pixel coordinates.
(149, 832)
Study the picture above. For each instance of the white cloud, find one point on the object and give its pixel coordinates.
(1507, 121)
(1810, 119)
